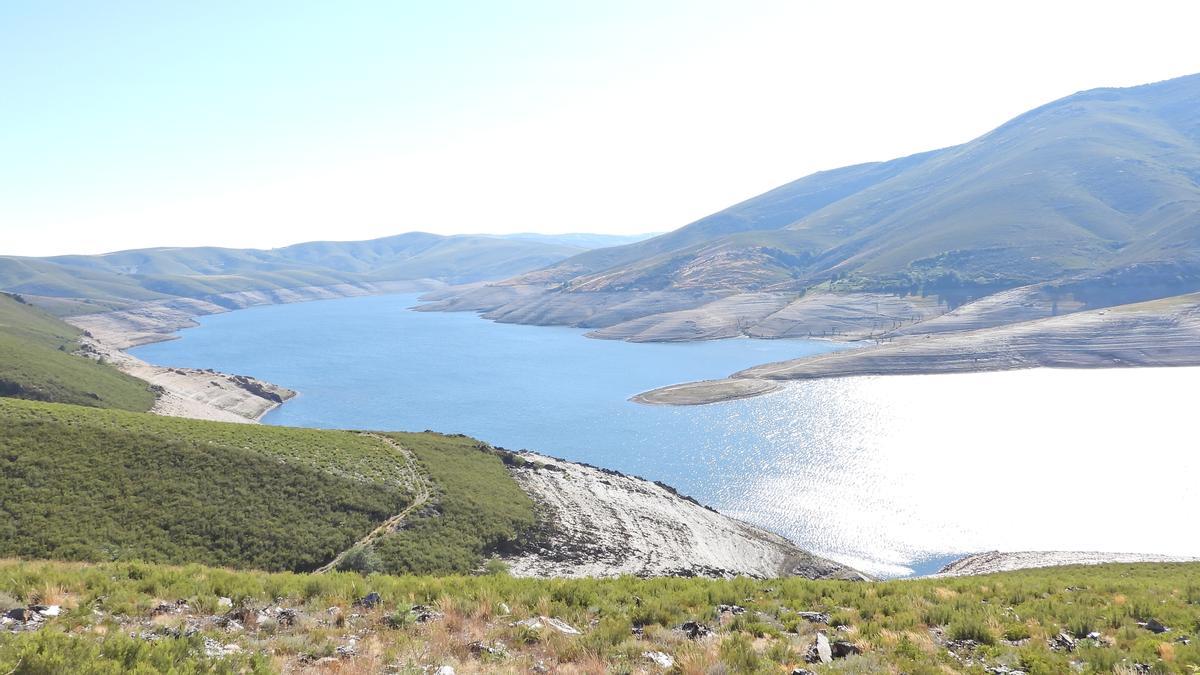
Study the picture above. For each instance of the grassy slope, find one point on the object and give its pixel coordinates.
(1095, 181)
(36, 362)
(86, 484)
(479, 508)
(901, 626)
(98, 282)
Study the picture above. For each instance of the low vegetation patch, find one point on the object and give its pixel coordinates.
(118, 617)
(87, 484)
(38, 362)
(477, 508)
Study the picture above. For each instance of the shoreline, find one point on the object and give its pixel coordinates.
(210, 395)
(204, 393)
(1158, 333)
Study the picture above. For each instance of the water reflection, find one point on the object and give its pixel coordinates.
(882, 473)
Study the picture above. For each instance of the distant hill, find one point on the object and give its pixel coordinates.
(1098, 192)
(82, 283)
(38, 362)
(581, 239)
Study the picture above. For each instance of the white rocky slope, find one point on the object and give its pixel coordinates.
(996, 561)
(599, 523)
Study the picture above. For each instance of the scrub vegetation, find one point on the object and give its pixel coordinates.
(122, 616)
(79, 483)
(38, 362)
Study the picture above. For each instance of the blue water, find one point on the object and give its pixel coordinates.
(890, 474)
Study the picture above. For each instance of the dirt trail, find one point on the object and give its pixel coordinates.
(422, 493)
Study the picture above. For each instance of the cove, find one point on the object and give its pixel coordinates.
(889, 474)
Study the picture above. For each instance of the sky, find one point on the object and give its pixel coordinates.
(164, 123)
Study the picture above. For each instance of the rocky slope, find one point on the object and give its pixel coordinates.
(996, 561)
(599, 523)
(1156, 333)
(1096, 193)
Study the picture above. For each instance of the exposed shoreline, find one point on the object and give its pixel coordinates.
(210, 395)
(1158, 333)
(199, 393)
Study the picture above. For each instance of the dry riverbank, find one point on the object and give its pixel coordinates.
(203, 393)
(1149, 334)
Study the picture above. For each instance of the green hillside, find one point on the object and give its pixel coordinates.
(37, 361)
(1082, 189)
(122, 617)
(82, 283)
(86, 484)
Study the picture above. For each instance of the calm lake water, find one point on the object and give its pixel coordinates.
(889, 474)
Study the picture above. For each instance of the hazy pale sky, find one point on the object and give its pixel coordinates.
(130, 124)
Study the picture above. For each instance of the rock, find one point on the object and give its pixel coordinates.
(47, 610)
(1094, 635)
(444, 670)
(18, 614)
(1062, 642)
(661, 659)
(505, 610)
(480, 648)
(537, 623)
(819, 651)
(214, 649)
(1154, 626)
(225, 602)
(425, 614)
(1183, 640)
(801, 671)
(371, 601)
(694, 630)
(841, 649)
(814, 617)
(348, 650)
(731, 609)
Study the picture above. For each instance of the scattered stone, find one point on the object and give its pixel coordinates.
(1062, 642)
(18, 614)
(841, 649)
(819, 651)
(694, 630)
(497, 649)
(348, 650)
(285, 617)
(47, 610)
(539, 622)
(224, 602)
(425, 614)
(1184, 640)
(1154, 626)
(1094, 635)
(505, 610)
(214, 649)
(444, 670)
(814, 617)
(661, 659)
(1004, 670)
(801, 671)
(371, 601)
(731, 609)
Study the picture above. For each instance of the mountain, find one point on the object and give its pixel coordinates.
(1097, 194)
(75, 284)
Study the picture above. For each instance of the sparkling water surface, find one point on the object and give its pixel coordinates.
(890, 474)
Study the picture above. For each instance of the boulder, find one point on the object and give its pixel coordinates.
(841, 649)
(694, 630)
(1154, 626)
(820, 651)
(814, 617)
(661, 659)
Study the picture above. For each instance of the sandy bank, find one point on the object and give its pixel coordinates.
(996, 561)
(1149, 334)
(202, 393)
(598, 523)
(708, 391)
